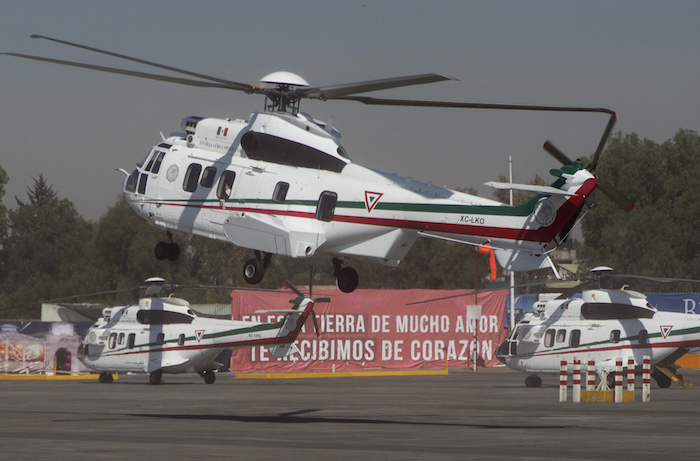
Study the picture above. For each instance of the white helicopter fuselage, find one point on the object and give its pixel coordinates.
(283, 184)
(602, 325)
(163, 335)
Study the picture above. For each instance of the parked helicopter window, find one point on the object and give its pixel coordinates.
(223, 190)
(165, 145)
(615, 336)
(112, 343)
(612, 311)
(131, 181)
(643, 337)
(121, 339)
(208, 176)
(159, 160)
(268, 148)
(280, 193)
(149, 317)
(192, 177)
(561, 336)
(150, 162)
(326, 206)
(142, 183)
(160, 338)
(181, 340)
(575, 338)
(131, 341)
(549, 338)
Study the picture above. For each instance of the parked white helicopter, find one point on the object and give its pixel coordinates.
(602, 325)
(163, 335)
(281, 183)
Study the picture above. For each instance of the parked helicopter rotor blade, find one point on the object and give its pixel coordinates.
(557, 154)
(315, 320)
(112, 70)
(615, 195)
(227, 83)
(339, 91)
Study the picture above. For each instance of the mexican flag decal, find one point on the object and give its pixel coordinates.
(371, 199)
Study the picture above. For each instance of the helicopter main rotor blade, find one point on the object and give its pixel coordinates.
(339, 91)
(294, 289)
(469, 105)
(228, 83)
(111, 70)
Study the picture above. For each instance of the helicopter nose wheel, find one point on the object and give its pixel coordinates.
(167, 250)
(346, 278)
(533, 381)
(106, 378)
(254, 268)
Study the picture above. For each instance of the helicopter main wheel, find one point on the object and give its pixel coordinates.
(156, 377)
(161, 251)
(662, 380)
(169, 251)
(348, 280)
(209, 376)
(253, 271)
(106, 378)
(533, 381)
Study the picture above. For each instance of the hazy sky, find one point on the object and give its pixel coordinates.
(638, 58)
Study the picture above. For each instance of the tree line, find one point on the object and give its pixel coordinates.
(49, 251)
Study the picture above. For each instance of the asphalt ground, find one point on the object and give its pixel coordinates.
(488, 414)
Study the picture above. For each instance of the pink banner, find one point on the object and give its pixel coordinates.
(376, 329)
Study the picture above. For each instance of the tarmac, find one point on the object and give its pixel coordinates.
(488, 414)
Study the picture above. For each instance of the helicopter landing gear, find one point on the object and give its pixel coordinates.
(106, 378)
(167, 250)
(662, 380)
(156, 377)
(254, 268)
(346, 278)
(533, 381)
(209, 376)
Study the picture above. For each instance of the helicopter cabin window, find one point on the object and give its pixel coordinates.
(561, 336)
(120, 341)
(208, 177)
(158, 162)
(549, 338)
(223, 190)
(615, 336)
(613, 311)
(160, 338)
(643, 337)
(131, 341)
(148, 317)
(280, 193)
(142, 183)
(181, 340)
(575, 338)
(326, 206)
(268, 148)
(112, 342)
(192, 177)
(131, 181)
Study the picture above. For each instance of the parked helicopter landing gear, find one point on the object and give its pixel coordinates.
(533, 381)
(167, 250)
(208, 375)
(106, 378)
(156, 377)
(346, 278)
(254, 268)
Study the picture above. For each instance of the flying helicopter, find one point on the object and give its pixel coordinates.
(161, 334)
(279, 182)
(601, 325)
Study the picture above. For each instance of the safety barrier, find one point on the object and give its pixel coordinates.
(602, 393)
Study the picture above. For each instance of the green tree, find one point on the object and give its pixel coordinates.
(661, 236)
